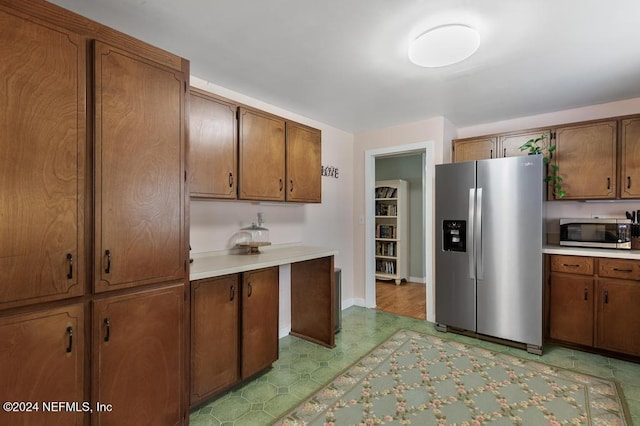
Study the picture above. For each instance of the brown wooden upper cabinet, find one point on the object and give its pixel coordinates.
(474, 149)
(495, 146)
(261, 165)
(279, 160)
(510, 143)
(303, 163)
(598, 159)
(139, 170)
(42, 165)
(586, 158)
(213, 146)
(630, 158)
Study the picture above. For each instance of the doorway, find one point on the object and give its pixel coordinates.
(409, 298)
(425, 151)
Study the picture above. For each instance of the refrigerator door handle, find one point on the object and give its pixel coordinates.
(478, 236)
(470, 235)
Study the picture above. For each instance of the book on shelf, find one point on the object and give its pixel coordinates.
(385, 231)
(386, 192)
(383, 209)
(386, 266)
(385, 248)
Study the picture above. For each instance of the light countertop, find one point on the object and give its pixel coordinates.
(215, 264)
(593, 252)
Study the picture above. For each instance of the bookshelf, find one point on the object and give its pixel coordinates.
(392, 230)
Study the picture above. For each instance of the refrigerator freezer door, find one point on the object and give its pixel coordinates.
(510, 265)
(455, 269)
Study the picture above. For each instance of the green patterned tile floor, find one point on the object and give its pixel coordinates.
(304, 367)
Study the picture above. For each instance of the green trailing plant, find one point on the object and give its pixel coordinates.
(533, 146)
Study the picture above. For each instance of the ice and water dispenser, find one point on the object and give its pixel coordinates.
(454, 235)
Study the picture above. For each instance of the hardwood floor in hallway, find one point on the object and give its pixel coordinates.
(407, 299)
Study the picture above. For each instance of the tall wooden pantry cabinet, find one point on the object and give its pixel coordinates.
(93, 241)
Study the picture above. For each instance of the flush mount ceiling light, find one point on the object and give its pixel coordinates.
(444, 45)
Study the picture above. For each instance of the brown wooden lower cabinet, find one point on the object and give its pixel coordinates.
(597, 305)
(214, 336)
(137, 366)
(618, 316)
(234, 330)
(259, 320)
(571, 316)
(42, 361)
(234, 322)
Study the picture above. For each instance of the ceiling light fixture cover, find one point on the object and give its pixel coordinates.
(444, 45)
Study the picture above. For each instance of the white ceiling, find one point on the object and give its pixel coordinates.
(344, 62)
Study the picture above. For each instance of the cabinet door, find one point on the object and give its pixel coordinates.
(259, 320)
(139, 171)
(41, 360)
(630, 158)
(304, 146)
(618, 326)
(42, 162)
(586, 157)
(261, 164)
(474, 149)
(571, 308)
(510, 144)
(213, 146)
(312, 301)
(138, 357)
(214, 336)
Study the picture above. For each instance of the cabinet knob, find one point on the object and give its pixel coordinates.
(108, 268)
(233, 293)
(628, 182)
(291, 190)
(586, 293)
(250, 289)
(230, 180)
(608, 183)
(281, 184)
(606, 297)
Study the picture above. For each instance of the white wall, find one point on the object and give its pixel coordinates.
(431, 130)
(559, 209)
(329, 224)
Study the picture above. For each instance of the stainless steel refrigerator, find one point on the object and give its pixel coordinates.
(489, 235)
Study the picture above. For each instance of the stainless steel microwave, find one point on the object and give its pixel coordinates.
(602, 233)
